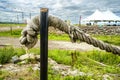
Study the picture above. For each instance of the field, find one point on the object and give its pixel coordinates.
(70, 64)
(9, 24)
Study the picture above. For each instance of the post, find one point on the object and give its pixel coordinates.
(22, 17)
(43, 44)
(11, 30)
(17, 19)
(30, 15)
(80, 21)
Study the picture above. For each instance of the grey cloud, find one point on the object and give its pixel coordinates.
(68, 9)
(72, 7)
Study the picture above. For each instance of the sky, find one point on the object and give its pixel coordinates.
(18, 10)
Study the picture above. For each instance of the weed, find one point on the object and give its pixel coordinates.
(6, 54)
(112, 39)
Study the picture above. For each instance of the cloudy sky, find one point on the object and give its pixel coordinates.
(14, 10)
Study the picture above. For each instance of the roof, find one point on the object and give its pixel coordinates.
(110, 16)
(102, 16)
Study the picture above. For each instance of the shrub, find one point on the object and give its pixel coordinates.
(6, 54)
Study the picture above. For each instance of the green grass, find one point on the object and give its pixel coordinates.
(14, 33)
(3, 74)
(87, 62)
(96, 62)
(100, 56)
(7, 53)
(112, 39)
(104, 57)
(30, 74)
(62, 37)
(61, 56)
(10, 24)
(52, 75)
(51, 36)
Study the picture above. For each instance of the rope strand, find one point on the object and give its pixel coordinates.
(29, 34)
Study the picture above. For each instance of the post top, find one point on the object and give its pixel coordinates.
(44, 9)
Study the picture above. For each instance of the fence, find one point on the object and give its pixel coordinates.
(15, 17)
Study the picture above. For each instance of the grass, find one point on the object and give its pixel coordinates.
(7, 53)
(96, 62)
(63, 37)
(28, 74)
(112, 39)
(51, 36)
(61, 56)
(52, 75)
(11, 24)
(14, 33)
(104, 57)
(35, 75)
(87, 62)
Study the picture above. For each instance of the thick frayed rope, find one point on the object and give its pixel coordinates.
(29, 34)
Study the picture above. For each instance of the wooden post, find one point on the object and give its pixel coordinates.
(80, 21)
(11, 30)
(30, 15)
(43, 44)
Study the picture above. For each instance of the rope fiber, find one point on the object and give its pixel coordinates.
(30, 32)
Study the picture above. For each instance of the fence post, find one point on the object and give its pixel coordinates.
(43, 44)
(11, 30)
(80, 21)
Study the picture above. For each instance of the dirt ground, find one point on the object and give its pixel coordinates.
(10, 28)
(7, 41)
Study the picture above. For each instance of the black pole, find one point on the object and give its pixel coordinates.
(44, 44)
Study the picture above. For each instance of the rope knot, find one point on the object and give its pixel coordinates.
(72, 34)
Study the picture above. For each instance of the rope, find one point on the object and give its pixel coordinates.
(29, 34)
(97, 43)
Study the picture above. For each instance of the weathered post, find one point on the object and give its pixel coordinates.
(11, 30)
(80, 21)
(43, 44)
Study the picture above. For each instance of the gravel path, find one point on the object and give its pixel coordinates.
(4, 41)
